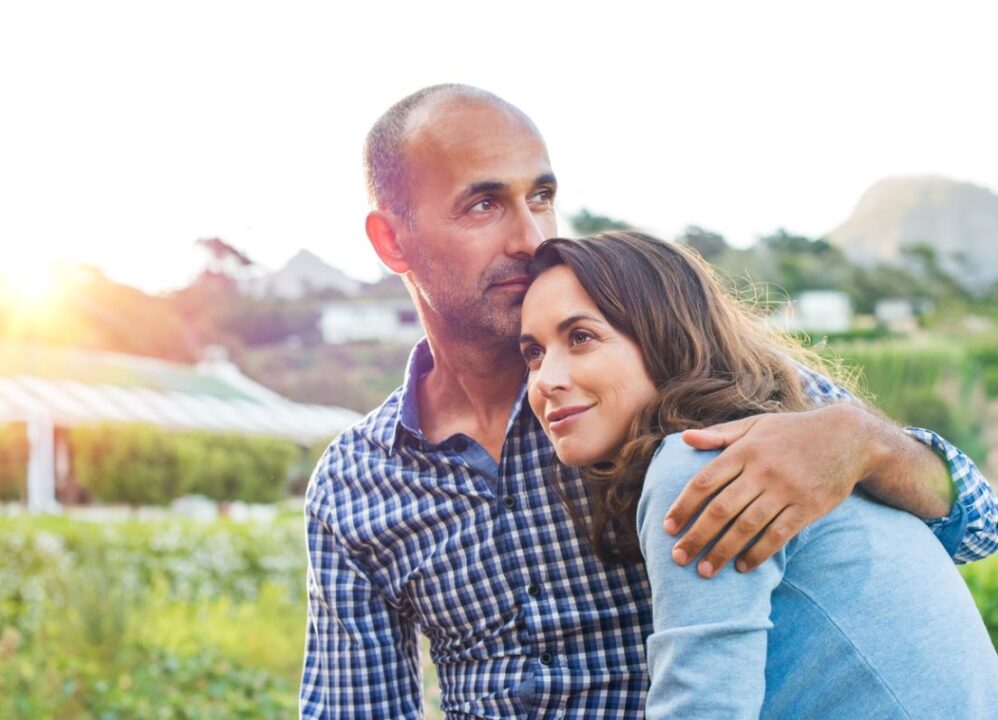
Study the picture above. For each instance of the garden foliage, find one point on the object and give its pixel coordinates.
(141, 464)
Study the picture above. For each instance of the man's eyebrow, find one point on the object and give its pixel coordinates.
(484, 186)
(563, 325)
(546, 179)
(492, 186)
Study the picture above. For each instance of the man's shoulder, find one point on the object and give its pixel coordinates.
(369, 437)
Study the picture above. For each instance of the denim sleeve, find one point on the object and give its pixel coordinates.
(361, 657)
(970, 531)
(707, 651)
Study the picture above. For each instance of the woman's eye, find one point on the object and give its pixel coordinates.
(580, 336)
(532, 354)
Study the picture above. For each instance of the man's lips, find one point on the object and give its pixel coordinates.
(517, 283)
(562, 417)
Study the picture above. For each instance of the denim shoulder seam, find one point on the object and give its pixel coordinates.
(846, 637)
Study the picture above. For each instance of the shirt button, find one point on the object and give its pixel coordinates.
(509, 501)
(546, 658)
(533, 589)
(460, 444)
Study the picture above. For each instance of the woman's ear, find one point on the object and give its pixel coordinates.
(382, 230)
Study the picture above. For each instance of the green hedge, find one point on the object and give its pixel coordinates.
(13, 461)
(144, 465)
(936, 386)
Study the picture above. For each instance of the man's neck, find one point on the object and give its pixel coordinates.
(470, 389)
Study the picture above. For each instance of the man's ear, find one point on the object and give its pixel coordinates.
(382, 230)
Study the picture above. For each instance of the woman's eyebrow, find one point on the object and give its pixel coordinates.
(572, 319)
(563, 325)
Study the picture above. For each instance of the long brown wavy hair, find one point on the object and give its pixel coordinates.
(711, 361)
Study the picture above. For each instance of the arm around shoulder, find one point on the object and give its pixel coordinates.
(707, 653)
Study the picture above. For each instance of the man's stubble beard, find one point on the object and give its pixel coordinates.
(479, 313)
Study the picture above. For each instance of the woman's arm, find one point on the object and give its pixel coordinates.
(707, 654)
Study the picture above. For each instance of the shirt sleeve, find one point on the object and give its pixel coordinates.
(970, 531)
(707, 651)
(361, 656)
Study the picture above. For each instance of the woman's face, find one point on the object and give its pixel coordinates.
(587, 380)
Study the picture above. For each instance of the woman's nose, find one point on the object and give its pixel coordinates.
(552, 375)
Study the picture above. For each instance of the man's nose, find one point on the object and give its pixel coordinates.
(527, 234)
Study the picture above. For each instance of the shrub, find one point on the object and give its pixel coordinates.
(136, 464)
(142, 464)
(13, 461)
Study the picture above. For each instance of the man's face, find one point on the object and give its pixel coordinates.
(482, 195)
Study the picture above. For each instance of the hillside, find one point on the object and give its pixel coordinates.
(958, 220)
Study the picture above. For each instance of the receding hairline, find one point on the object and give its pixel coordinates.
(388, 143)
(433, 106)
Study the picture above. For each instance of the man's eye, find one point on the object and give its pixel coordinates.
(543, 196)
(483, 205)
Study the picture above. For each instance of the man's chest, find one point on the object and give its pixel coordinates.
(484, 561)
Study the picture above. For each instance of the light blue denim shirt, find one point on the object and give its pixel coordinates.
(862, 615)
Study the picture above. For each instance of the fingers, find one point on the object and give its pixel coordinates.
(720, 435)
(720, 511)
(781, 530)
(712, 477)
(746, 527)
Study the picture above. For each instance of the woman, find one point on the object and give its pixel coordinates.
(629, 341)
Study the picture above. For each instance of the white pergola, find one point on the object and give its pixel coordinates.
(45, 403)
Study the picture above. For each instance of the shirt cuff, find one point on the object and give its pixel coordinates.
(950, 529)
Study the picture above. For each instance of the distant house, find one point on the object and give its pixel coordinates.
(53, 389)
(825, 311)
(900, 315)
(387, 320)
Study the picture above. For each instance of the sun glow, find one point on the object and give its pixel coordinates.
(29, 286)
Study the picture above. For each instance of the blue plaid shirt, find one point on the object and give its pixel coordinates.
(406, 536)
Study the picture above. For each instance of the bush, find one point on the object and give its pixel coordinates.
(148, 620)
(13, 461)
(247, 469)
(982, 579)
(142, 464)
(932, 386)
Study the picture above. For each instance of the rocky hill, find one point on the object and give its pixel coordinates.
(304, 273)
(958, 220)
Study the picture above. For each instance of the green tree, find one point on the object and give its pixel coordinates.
(586, 223)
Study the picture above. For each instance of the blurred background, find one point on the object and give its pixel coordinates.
(190, 312)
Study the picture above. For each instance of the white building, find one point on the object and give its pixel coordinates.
(823, 311)
(387, 320)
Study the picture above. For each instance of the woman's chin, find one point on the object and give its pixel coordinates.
(575, 456)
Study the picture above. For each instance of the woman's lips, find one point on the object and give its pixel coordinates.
(561, 419)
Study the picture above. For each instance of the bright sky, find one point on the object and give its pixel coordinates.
(130, 129)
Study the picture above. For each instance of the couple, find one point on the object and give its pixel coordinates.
(445, 512)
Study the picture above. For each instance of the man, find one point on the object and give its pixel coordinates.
(433, 514)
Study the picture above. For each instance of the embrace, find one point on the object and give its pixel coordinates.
(603, 491)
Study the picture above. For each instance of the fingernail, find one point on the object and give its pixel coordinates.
(680, 556)
(670, 526)
(706, 569)
(742, 566)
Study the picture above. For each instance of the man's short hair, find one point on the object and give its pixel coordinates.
(385, 167)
